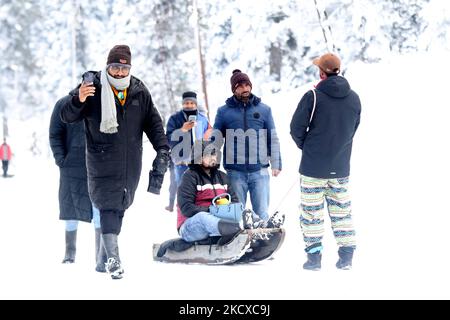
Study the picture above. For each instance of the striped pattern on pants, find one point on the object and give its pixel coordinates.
(313, 193)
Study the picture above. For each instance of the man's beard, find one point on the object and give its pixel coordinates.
(244, 96)
(212, 165)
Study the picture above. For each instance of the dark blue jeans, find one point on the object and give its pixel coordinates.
(179, 170)
(258, 184)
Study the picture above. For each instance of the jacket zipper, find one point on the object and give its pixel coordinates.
(245, 131)
(125, 190)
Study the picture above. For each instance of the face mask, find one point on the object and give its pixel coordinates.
(119, 84)
(190, 112)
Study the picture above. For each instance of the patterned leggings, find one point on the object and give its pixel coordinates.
(313, 193)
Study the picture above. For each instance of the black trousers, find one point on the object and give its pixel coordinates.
(5, 167)
(111, 221)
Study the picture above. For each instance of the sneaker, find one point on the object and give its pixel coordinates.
(169, 208)
(258, 222)
(247, 219)
(68, 261)
(114, 268)
(276, 220)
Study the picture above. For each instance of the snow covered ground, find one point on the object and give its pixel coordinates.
(399, 186)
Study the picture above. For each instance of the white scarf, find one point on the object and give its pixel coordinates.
(109, 111)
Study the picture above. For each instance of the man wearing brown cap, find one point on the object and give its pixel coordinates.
(251, 143)
(323, 127)
(117, 109)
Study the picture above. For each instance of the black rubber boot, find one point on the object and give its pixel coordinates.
(228, 230)
(100, 252)
(113, 266)
(71, 247)
(345, 258)
(314, 262)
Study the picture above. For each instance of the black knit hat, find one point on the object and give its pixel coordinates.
(119, 54)
(189, 95)
(238, 78)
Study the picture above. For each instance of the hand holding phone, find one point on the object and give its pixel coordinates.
(88, 78)
(87, 88)
(189, 124)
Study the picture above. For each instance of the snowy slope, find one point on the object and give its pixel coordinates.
(399, 183)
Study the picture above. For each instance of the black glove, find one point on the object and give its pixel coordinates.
(156, 176)
(155, 181)
(161, 162)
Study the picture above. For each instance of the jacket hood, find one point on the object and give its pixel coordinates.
(235, 103)
(335, 86)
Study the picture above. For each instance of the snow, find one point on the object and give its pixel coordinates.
(398, 184)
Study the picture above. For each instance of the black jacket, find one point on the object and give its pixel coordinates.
(327, 146)
(114, 161)
(67, 142)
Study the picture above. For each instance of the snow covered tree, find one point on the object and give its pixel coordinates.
(21, 25)
(165, 49)
(406, 23)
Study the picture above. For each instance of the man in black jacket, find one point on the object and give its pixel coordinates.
(68, 146)
(200, 185)
(323, 127)
(117, 109)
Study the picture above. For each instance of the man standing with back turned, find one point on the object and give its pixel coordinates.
(323, 127)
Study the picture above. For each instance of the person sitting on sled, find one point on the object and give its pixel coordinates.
(202, 183)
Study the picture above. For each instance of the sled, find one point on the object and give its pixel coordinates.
(264, 248)
(250, 245)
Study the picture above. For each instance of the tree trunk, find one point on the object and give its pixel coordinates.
(276, 58)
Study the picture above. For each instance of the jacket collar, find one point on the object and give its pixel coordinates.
(235, 103)
(198, 168)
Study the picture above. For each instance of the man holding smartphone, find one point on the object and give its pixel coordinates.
(117, 109)
(183, 129)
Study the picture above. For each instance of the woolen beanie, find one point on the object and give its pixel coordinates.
(189, 95)
(238, 78)
(119, 54)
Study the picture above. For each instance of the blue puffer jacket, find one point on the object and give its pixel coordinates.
(255, 119)
(327, 146)
(175, 122)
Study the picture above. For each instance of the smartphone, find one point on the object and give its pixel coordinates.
(88, 78)
(192, 118)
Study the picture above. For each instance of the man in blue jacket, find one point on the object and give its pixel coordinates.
(183, 129)
(251, 144)
(323, 127)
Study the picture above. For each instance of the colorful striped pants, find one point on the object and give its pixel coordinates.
(313, 193)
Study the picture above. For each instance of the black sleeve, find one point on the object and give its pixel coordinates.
(186, 194)
(153, 126)
(300, 119)
(57, 133)
(73, 110)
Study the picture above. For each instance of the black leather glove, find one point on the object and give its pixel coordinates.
(156, 175)
(155, 181)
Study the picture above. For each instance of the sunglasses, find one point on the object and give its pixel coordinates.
(116, 67)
